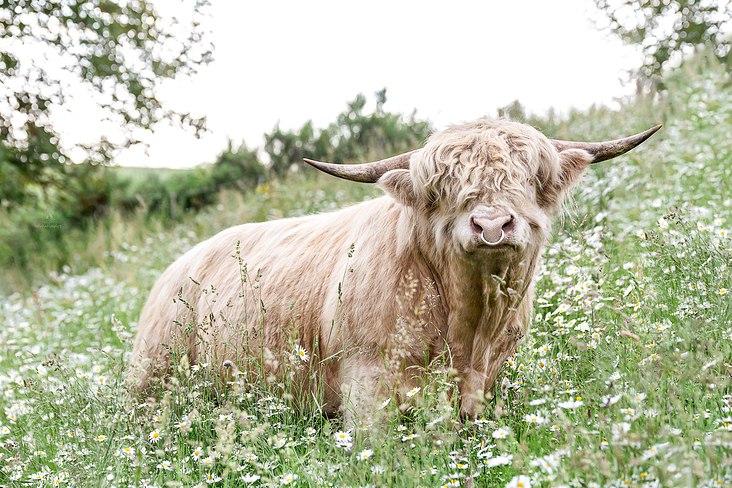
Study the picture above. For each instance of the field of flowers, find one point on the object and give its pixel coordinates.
(624, 379)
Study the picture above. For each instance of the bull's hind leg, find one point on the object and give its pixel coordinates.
(361, 389)
(157, 342)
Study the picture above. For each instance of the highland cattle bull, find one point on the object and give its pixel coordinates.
(371, 295)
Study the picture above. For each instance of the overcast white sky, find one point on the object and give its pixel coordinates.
(290, 61)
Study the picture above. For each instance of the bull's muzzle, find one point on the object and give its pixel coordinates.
(490, 228)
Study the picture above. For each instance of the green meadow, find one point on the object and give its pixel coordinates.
(623, 379)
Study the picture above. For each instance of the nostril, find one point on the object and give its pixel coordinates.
(474, 225)
(509, 225)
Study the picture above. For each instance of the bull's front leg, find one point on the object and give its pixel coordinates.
(460, 339)
(488, 360)
(485, 364)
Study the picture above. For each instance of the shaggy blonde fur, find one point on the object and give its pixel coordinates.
(416, 285)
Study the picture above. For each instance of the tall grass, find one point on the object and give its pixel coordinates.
(623, 380)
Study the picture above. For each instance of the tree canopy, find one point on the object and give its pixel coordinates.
(665, 28)
(355, 136)
(115, 51)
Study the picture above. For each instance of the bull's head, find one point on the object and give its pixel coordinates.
(486, 185)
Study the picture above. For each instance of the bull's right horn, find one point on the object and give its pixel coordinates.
(602, 151)
(366, 172)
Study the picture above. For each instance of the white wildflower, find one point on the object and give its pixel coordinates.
(413, 391)
(302, 353)
(501, 433)
(520, 481)
(571, 404)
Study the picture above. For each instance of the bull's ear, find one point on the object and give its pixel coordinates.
(572, 164)
(398, 184)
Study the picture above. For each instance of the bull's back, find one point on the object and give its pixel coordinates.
(253, 285)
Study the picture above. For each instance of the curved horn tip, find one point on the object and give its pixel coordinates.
(608, 150)
(312, 162)
(602, 151)
(351, 172)
(364, 173)
(318, 165)
(650, 131)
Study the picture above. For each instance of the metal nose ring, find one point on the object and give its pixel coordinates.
(500, 239)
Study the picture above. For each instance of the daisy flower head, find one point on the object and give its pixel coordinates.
(413, 391)
(212, 478)
(548, 464)
(571, 404)
(534, 419)
(498, 461)
(365, 454)
(288, 479)
(501, 433)
(342, 436)
(653, 451)
(520, 481)
(302, 353)
(343, 440)
(154, 436)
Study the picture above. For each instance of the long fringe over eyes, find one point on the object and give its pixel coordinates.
(483, 158)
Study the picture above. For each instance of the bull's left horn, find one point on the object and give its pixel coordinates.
(366, 172)
(602, 151)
